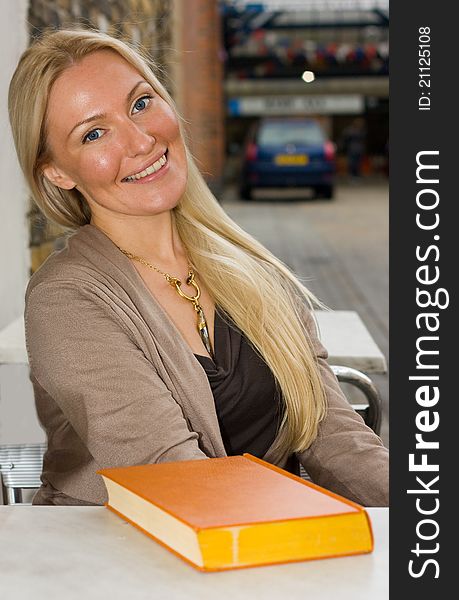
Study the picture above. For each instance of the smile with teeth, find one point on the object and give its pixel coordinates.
(154, 168)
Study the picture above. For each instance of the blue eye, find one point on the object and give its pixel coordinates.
(141, 104)
(92, 136)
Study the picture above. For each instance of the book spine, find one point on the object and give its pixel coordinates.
(284, 542)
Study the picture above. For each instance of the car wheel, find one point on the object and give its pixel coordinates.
(246, 192)
(329, 192)
(325, 191)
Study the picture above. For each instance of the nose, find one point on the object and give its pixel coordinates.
(137, 140)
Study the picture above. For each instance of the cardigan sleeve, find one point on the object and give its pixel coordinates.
(347, 457)
(84, 357)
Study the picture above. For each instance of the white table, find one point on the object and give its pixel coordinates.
(343, 333)
(12, 344)
(77, 553)
(348, 341)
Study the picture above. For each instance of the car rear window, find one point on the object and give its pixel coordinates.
(292, 132)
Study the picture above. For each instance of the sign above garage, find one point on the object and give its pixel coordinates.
(349, 104)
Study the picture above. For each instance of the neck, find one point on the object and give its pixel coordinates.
(153, 238)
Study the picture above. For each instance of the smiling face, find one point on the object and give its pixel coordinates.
(115, 139)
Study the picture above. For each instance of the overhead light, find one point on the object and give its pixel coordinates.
(308, 76)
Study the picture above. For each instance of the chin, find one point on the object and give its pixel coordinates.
(162, 204)
(173, 197)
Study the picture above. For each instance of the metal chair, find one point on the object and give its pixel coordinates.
(370, 412)
(20, 469)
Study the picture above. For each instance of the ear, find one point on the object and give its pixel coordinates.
(57, 177)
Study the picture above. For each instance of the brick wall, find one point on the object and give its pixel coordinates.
(198, 74)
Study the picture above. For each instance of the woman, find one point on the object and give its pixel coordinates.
(162, 331)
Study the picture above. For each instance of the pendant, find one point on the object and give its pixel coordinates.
(202, 323)
(204, 331)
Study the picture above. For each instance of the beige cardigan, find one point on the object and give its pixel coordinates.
(115, 384)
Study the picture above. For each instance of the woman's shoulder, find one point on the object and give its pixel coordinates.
(85, 257)
(57, 265)
(80, 280)
(89, 276)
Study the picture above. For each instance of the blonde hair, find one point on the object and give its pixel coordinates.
(260, 294)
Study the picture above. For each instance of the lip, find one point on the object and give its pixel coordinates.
(152, 176)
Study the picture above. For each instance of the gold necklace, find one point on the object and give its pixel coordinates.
(175, 282)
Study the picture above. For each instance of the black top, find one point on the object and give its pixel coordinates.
(246, 396)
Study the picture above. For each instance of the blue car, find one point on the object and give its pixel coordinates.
(288, 152)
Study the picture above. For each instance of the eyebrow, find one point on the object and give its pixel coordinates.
(103, 115)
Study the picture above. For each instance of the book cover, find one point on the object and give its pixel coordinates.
(236, 511)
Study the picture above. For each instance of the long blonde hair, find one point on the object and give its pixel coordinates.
(261, 295)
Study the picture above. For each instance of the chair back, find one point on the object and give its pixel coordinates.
(20, 469)
(371, 412)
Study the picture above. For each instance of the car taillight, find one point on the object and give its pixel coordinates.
(251, 151)
(329, 151)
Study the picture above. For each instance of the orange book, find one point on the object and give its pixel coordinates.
(235, 512)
